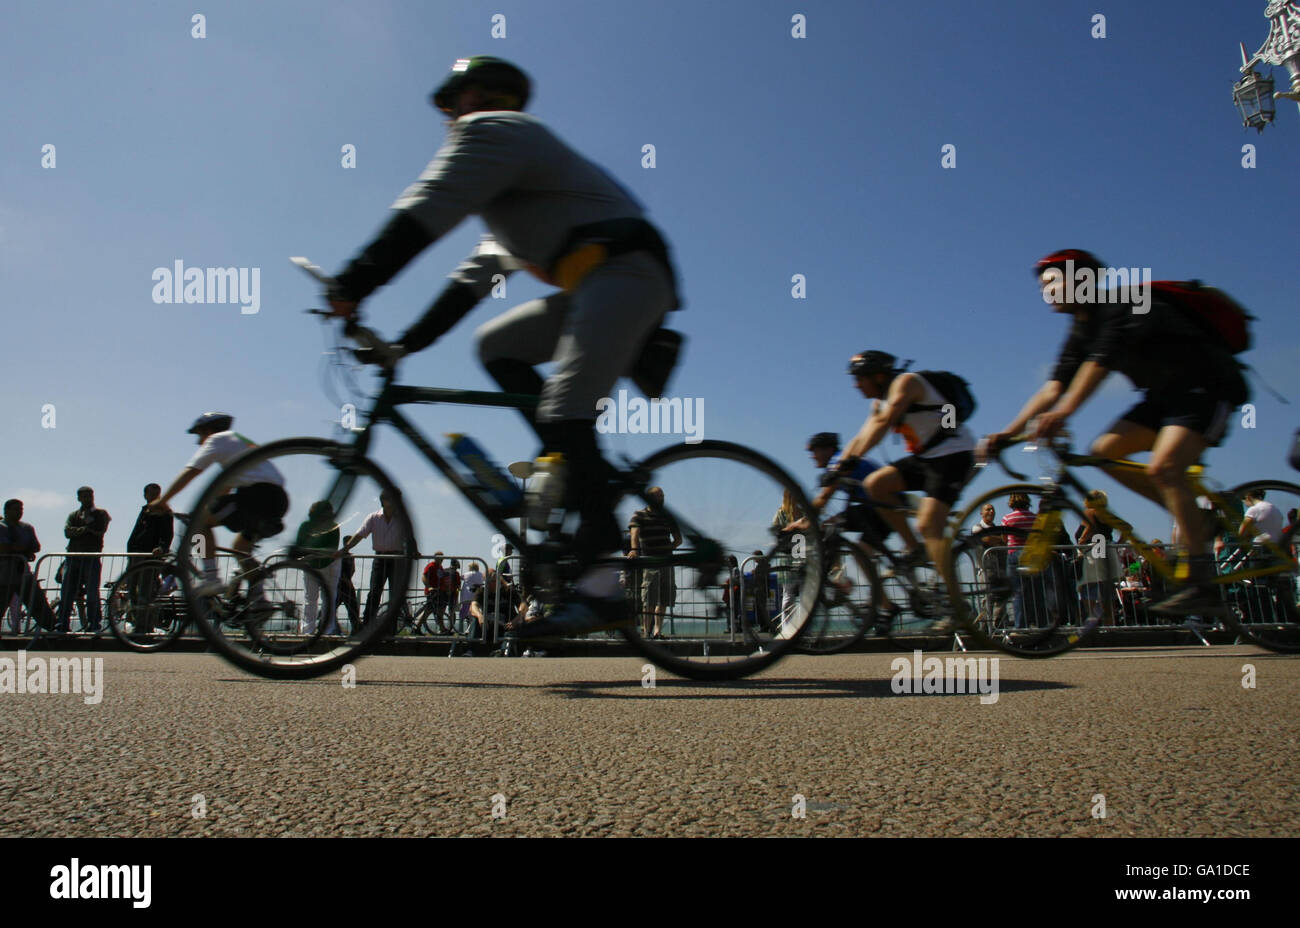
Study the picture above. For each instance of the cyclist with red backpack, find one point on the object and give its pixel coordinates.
(1177, 345)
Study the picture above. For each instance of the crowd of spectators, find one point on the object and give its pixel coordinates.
(1086, 570)
(1095, 575)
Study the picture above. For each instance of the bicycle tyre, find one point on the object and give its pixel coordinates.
(313, 469)
(712, 493)
(1058, 629)
(831, 631)
(156, 623)
(1266, 609)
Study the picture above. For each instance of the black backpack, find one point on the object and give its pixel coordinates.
(957, 392)
(952, 388)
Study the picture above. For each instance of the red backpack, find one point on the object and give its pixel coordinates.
(1219, 314)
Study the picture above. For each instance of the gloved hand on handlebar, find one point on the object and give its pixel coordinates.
(341, 306)
(847, 465)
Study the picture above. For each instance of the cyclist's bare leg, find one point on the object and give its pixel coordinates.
(243, 547)
(883, 486)
(931, 517)
(1125, 439)
(1176, 449)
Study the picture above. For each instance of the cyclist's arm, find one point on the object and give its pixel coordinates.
(1084, 384)
(479, 160)
(467, 286)
(1043, 400)
(183, 479)
(903, 392)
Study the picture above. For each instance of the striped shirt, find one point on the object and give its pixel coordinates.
(655, 531)
(1018, 518)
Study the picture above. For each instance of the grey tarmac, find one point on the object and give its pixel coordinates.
(184, 744)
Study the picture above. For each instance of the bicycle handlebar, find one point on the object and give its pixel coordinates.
(374, 349)
(1060, 446)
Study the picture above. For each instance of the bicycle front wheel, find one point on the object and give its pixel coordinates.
(146, 607)
(1265, 599)
(736, 595)
(277, 495)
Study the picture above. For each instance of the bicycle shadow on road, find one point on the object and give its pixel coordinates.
(334, 681)
(773, 688)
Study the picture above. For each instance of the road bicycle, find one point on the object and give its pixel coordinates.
(720, 494)
(264, 603)
(873, 589)
(1258, 576)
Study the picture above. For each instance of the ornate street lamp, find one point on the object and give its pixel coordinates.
(1254, 94)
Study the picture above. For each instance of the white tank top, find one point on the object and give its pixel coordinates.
(919, 427)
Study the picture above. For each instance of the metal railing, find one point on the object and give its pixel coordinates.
(1080, 578)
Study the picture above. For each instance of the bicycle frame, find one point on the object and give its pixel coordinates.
(392, 395)
(1193, 478)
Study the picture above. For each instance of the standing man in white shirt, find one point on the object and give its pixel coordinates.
(388, 538)
(1263, 522)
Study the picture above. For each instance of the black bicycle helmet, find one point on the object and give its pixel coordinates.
(491, 74)
(824, 440)
(218, 421)
(872, 362)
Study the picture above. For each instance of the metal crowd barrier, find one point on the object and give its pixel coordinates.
(414, 599)
(348, 602)
(1075, 580)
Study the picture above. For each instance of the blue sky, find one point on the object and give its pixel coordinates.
(775, 156)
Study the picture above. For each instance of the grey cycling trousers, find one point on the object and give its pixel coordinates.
(593, 335)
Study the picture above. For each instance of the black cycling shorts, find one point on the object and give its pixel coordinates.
(1198, 409)
(941, 478)
(861, 517)
(254, 511)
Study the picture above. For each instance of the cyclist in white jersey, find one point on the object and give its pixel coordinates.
(253, 509)
(941, 460)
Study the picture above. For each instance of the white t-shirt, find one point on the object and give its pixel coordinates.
(224, 447)
(1268, 519)
(469, 585)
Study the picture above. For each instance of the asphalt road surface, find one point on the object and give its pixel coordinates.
(1164, 742)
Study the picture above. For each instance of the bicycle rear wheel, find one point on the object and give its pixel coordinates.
(146, 607)
(311, 470)
(1017, 590)
(1265, 602)
(721, 592)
